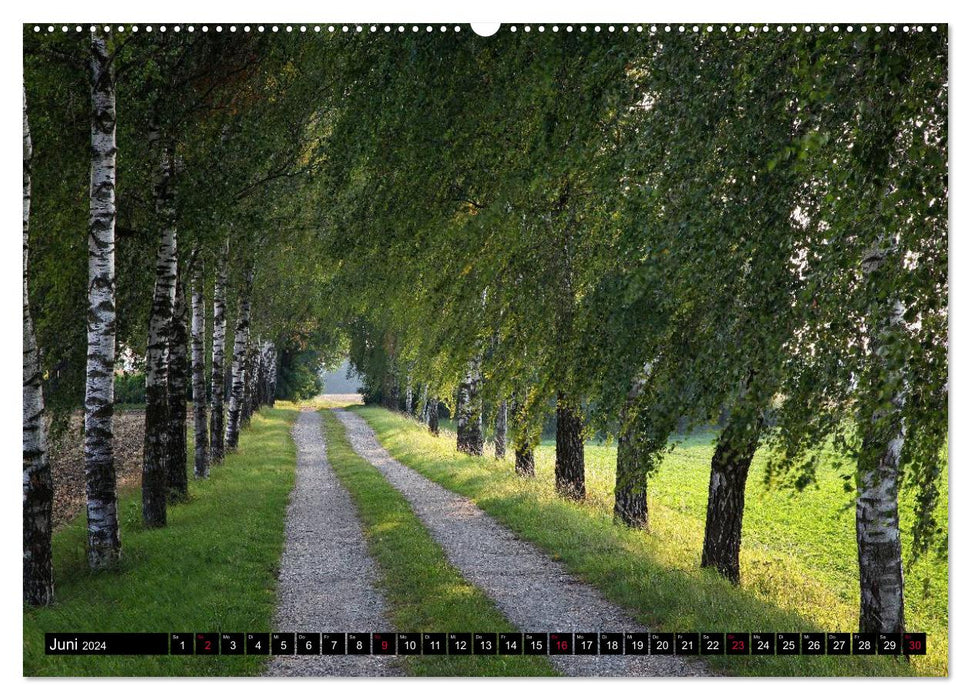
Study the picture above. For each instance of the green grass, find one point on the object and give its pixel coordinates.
(424, 592)
(212, 569)
(798, 558)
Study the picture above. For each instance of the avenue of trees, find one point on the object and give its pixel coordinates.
(625, 233)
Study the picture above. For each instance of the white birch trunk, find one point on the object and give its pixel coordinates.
(409, 395)
(251, 376)
(269, 374)
(199, 403)
(154, 462)
(468, 418)
(178, 381)
(104, 544)
(218, 379)
(421, 408)
(38, 485)
(240, 340)
(877, 518)
(499, 436)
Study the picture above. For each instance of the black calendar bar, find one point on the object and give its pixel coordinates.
(484, 643)
(105, 643)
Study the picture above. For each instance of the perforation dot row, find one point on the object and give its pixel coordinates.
(374, 28)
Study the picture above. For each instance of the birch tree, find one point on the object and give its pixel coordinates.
(38, 484)
(634, 459)
(104, 543)
(218, 380)
(499, 435)
(240, 341)
(879, 466)
(178, 377)
(199, 401)
(432, 410)
(155, 463)
(526, 434)
(468, 412)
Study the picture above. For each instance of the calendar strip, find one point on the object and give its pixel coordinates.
(486, 643)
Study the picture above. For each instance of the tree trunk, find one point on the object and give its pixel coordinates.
(104, 542)
(630, 489)
(156, 452)
(240, 340)
(525, 462)
(499, 438)
(468, 413)
(433, 415)
(252, 378)
(409, 396)
(199, 417)
(178, 480)
(271, 375)
(878, 470)
(218, 379)
(38, 486)
(878, 536)
(421, 406)
(244, 411)
(726, 493)
(569, 449)
(525, 437)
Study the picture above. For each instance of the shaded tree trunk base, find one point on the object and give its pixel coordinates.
(726, 498)
(570, 480)
(630, 491)
(525, 462)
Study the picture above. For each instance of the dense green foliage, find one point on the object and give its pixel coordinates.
(574, 208)
(130, 388)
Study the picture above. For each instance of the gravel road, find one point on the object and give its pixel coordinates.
(327, 578)
(534, 592)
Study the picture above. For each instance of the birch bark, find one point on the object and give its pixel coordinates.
(38, 485)
(240, 341)
(630, 490)
(878, 471)
(155, 459)
(178, 380)
(199, 403)
(570, 478)
(104, 543)
(499, 437)
(726, 493)
(433, 415)
(525, 437)
(218, 379)
(409, 395)
(469, 411)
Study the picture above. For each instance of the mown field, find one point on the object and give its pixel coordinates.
(213, 568)
(798, 558)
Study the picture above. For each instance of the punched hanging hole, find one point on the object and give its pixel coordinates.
(485, 28)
